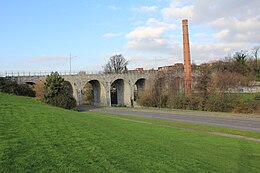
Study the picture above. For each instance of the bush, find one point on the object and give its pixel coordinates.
(220, 102)
(11, 87)
(248, 106)
(62, 100)
(146, 99)
(40, 90)
(25, 90)
(57, 92)
(7, 86)
(177, 101)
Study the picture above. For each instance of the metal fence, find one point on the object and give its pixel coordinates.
(41, 73)
(82, 73)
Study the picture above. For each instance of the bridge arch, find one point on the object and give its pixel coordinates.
(30, 84)
(71, 89)
(120, 92)
(139, 86)
(94, 93)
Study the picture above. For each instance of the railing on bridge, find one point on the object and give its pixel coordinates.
(83, 73)
(35, 73)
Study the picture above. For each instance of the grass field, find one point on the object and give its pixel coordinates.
(202, 127)
(35, 137)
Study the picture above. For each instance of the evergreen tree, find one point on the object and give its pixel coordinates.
(57, 92)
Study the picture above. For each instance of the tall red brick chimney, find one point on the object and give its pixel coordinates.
(186, 56)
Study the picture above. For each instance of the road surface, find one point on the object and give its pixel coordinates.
(235, 121)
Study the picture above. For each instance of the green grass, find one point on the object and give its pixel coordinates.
(202, 127)
(35, 137)
(243, 97)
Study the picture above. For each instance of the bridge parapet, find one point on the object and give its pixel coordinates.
(87, 73)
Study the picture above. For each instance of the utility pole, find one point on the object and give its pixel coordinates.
(155, 59)
(70, 62)
(256, 50)
(71, 59)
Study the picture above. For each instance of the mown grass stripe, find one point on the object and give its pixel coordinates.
(36, 137)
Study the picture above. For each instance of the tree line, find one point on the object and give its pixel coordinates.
(213, 89)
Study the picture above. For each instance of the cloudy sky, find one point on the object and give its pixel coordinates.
(39, 35)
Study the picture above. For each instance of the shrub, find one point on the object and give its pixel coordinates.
(248, 106)
(25, 90)
(40, 90)
(177, 101)
(63, 100)
(11, 87)
(7, 86)
(146, 99)
(57, 92)
(220, 102)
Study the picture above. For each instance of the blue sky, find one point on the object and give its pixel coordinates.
(39, 35)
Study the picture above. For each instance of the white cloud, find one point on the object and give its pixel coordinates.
(149, 45)
(233, 29)
(144, 32)
(145, 9)
(218, 29)
(201, 35)
(177, 10)
(112, 35)
(222, 34)
(251, 23)
(156, 23)
(153, 29)
(203, 11)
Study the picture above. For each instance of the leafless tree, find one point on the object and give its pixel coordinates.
(116, 64)
(255, 52)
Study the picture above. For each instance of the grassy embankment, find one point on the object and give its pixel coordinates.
(35, 137)
(200, 127)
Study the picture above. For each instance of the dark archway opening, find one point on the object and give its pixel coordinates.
(117, 92)
(91, 93)
(31, 85)
(138, 88)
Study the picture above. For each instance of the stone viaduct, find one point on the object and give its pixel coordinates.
(125, 85)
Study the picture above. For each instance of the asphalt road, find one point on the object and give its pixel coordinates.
(223, 120)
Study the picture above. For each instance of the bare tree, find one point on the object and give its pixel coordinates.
(255, 52)
(116, 64)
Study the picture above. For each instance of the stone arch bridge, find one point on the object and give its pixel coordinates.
(125, 85)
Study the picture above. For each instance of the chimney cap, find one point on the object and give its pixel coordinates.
(184, 21)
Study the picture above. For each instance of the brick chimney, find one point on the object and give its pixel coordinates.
(186, 56)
